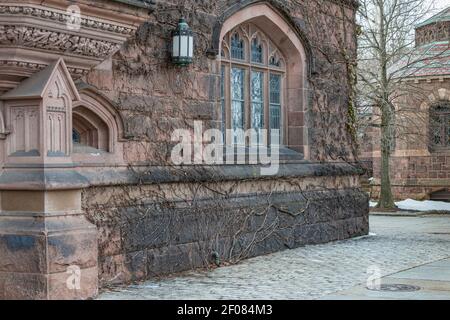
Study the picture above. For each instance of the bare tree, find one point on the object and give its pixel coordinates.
(386, 56)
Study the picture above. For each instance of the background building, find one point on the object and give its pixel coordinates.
(420, 162)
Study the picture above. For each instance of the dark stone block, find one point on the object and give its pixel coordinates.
(23, 286)
(19, 243)
(169, 259)
(277, 240)
(78, 248)
(181, 237)
(150, 231)
(23, 253)
(136, 265)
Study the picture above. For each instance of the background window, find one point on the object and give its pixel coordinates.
(440, 126)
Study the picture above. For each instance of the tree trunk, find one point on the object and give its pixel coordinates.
(386, 197)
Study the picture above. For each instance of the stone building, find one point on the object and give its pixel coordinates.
(420, 162)
(90, 99)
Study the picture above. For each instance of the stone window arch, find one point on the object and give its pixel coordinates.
(90, 131)
(264, 71)
(97, 128)
(440, 126)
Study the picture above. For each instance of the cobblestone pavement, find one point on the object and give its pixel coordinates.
(311, 272)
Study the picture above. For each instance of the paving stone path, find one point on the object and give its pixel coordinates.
(311, 272)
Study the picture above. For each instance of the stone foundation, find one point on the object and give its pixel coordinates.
(161, 244)
(143, 237)
(64, 233)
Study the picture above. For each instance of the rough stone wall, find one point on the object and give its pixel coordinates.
(145, 231)
(158, 237)
(154, 96)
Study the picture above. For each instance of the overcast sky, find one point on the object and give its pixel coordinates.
(443, 3)
(440, 5)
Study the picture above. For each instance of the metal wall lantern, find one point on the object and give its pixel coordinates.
(183, 44)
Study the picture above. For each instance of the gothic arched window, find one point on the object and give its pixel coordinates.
(440, 126)
(253, 76)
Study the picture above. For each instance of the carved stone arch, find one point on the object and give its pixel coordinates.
(97, 121)
(95, 97)
(441, 94)
(271, 5)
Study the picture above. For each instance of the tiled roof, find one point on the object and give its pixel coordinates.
(428, 60)
(444, 15)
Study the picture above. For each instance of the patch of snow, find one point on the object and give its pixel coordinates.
(414, 205)
(428, 205)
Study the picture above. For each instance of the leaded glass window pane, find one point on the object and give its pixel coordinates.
(275, 101)
(237, 99)
(273, 61)
(237, 47)
(222, 99)
(440, 126)
(76, 137)
(436, 130)
(448, 130)
(257, 96)
(257, 51)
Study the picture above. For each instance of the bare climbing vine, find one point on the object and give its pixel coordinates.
(199, 215)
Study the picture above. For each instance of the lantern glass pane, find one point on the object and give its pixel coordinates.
(176, 46)
(184, 46)
(191, 47)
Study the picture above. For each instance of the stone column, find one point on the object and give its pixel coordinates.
(48, 250)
